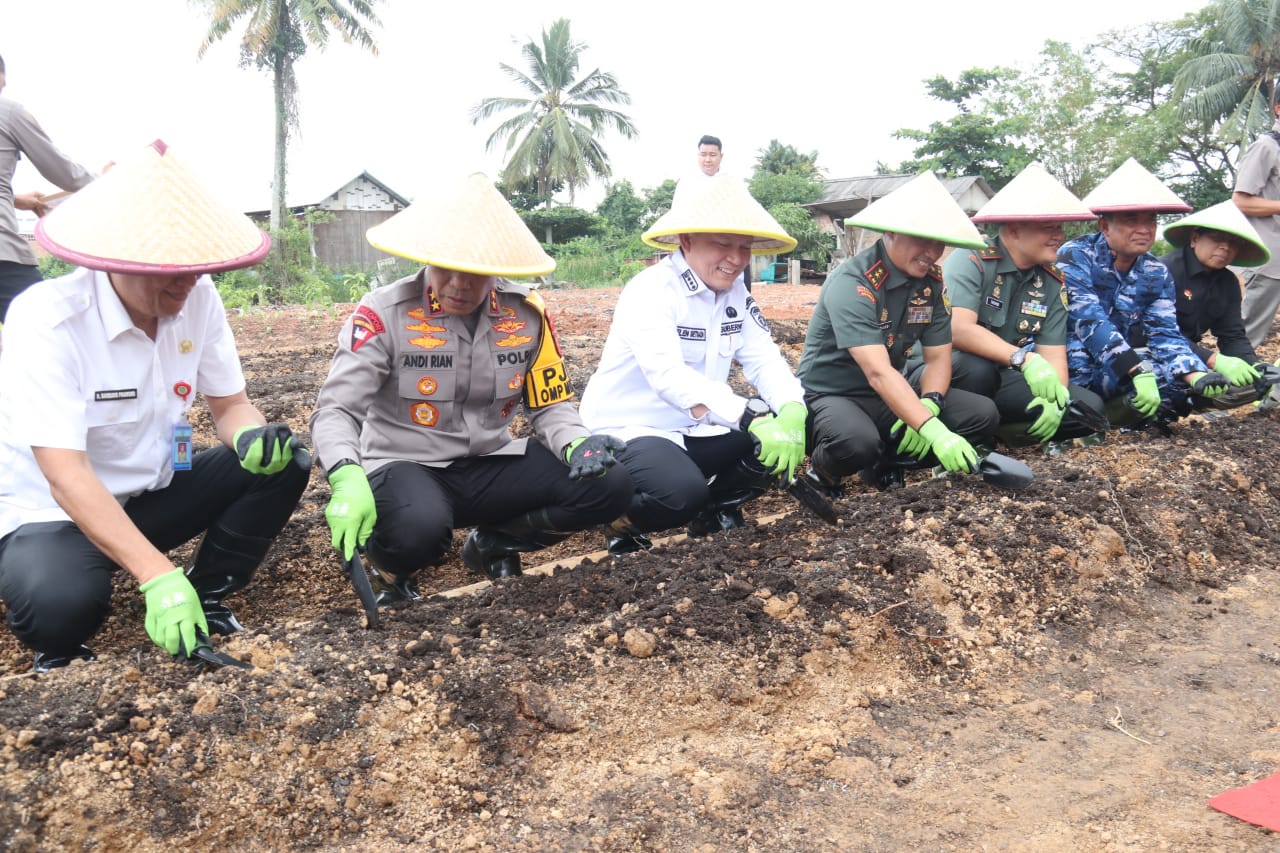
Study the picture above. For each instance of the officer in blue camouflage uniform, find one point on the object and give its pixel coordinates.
(1009, 313)
(1114, 283)
(865, 415)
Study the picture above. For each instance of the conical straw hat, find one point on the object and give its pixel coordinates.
(1222, 217)
(469, 227)
(151, 216)
(720, 204)
(1034, 196)
(1131, 187)
(921, 207)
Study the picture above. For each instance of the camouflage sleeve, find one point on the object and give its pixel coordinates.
(1086, 319)
(1165, 341)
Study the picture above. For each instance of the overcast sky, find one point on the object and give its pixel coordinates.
(105, 78)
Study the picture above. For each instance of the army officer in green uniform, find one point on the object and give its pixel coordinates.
(864, 413)
(1009, 313)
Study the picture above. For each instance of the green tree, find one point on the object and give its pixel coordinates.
(524, 194)
(277, 34)
(778, 159)
(983, 138)
(811, 241)
(554, 135)
(658, 200)
(1233, 69)
(789, 188)
(622, 209)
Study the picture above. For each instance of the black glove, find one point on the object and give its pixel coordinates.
(593, 455)
(266, 449)
(1210, 385)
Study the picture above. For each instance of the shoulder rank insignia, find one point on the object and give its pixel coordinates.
(991, 253)
(1053, 270)
(877, 274)
(935, 272)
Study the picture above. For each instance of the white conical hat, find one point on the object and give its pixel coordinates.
(921, 207)
(151, 215)
(468, 227)
(719, 204)
(1224, 216)
(1034, 196)
(1131, 187)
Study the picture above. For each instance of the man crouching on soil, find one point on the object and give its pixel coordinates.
(412, 422)
(99, 371)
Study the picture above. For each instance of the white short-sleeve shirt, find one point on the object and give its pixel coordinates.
(76, 373)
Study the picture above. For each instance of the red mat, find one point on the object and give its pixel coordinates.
(1258, 803)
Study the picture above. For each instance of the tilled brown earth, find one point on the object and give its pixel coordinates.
(1074, 666)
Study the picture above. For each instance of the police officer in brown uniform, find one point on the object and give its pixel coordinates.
(412, 423)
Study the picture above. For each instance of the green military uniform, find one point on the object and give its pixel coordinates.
(1026, 308)
(868, 301)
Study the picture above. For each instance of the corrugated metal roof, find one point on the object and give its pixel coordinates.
(843, 197)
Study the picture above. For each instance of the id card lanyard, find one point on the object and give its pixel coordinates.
(181, 444)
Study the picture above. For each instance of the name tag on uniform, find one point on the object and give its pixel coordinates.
(917, 314)
(992, 302)
(116, 394)
(1034, 309)
(182, 446)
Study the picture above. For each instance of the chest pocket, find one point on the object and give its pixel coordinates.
(112, 428)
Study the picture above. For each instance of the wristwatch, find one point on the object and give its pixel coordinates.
(335, 466)
(1017, 357)
(938, 400)
(755, 408)
(1144, 366)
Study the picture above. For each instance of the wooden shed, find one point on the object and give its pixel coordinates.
(844, 197)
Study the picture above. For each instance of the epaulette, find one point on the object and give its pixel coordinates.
(991, 253)
(877, 274)
(1053, 270)
(935, 272)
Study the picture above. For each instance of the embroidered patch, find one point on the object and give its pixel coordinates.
(513, 341)
(756, 314)
(426, 342)
(877, 274)
(1035, 309)
(992, 302)
(424, 414)
(365, 326)
(734, 328)
(866, 294)
(427, 386)
(946, 299)
(690, 281)
(509, 327)
(690, 333)
(731, 311)
(116, 394)
(516, 382)
(425, 327)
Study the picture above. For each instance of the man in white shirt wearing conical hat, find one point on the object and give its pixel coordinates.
(696, 449)
(412, 424)
(1114, 283)
(1208, 299)
(872, 309)
(99, 372)
(1009, 312)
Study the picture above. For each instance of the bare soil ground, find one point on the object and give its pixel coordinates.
(1076, 666)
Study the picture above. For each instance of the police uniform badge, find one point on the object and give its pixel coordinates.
(877, 274)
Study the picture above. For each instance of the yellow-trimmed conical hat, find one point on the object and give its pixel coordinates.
(151, 215)
(1132, 187)
(921, 207)
(719, 204)
(1034, 196)
(468, 227)
(1224, 216)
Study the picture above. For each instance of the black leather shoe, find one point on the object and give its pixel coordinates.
(885, 476)
(221, 620)
(44, 661)
(391, 590)
(501, 564)
(715, 521)
(829, 487)
(618, 544)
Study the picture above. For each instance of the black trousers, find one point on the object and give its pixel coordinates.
(671, 482)
(1007, 387)
(15, 278)
(848, 434)
(57, 584)
(419, 506)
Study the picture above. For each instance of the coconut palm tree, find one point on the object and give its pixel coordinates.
(554, 136)
(277, 34)
(1233, 70)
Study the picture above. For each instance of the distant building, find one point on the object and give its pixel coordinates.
(842, 198)
(356, 206)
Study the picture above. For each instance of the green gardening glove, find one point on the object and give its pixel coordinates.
(781, 439)
(1043, 380)
(1146, 394)
(265, 449)
(173, 612)
(912, 443)
(951, 450)
(1047, 423)
(351, 512)
(1238, 371)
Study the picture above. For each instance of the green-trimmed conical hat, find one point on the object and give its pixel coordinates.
(1225, 217)
(1132, 187)
(921, 207)
(1034, 196)
(468, 227)
(719, 204)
